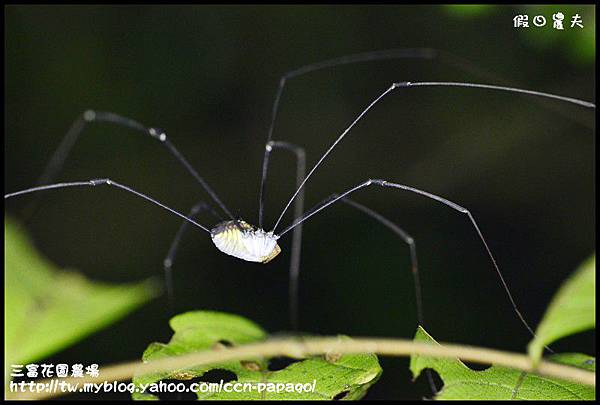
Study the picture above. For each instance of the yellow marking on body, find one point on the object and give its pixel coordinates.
(244, 241)
(271, 256)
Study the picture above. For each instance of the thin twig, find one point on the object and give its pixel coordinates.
(298, 348)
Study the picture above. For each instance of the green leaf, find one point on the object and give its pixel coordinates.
(333, 376)
(501, 383)
(572, 310)
(47, 309)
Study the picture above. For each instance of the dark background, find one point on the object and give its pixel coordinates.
(207, 75)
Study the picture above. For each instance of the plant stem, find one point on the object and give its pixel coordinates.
(302, 347)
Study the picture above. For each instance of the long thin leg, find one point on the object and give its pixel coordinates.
(168, 262)
(58, 158)
(108, 182)
(402, 53)
(384, 183)
(397, 85)
(413, 257)
(294, 272)
(414, 266)
(418, 53)
(297, 237)
(297, 244)
(411, 245)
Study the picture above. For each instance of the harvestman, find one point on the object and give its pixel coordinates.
(240, 239)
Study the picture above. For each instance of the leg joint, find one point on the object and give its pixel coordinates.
(377, 182)
(96, 182)
(157, 134)
(401, 84)
(89, 115)
(299, 150)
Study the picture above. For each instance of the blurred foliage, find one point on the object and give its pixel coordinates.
(470, 10)
(572, 310)
(348, 376)
(501, 383)
(578, 43)
(47, 309)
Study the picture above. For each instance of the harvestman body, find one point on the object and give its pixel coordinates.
(238, 238)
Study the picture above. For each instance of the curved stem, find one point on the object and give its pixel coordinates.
(302, 347)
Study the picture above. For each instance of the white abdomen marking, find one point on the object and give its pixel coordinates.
(241, 240)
